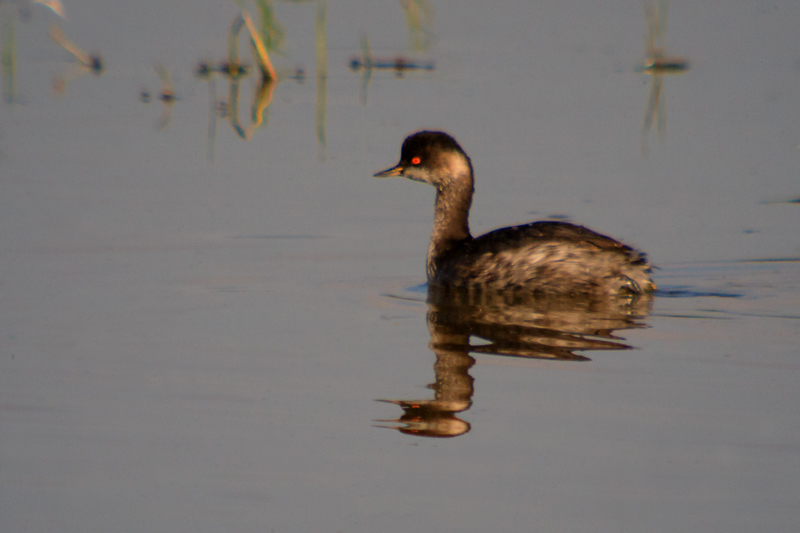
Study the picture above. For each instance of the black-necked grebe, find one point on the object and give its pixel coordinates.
(543, 257)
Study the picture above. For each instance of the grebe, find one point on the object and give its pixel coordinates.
(548, 257)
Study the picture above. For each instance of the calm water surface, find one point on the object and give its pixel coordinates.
(195, 328)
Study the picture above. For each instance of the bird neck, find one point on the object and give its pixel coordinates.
(451, 214)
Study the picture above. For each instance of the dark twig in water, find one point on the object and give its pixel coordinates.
(398, 64)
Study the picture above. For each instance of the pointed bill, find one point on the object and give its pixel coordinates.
(390, 172)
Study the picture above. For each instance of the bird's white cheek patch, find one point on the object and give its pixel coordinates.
(456, 164)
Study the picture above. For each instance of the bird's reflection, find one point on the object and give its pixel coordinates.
(657, 64)
(511, 324)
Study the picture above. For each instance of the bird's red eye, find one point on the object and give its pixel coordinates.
(416, 160)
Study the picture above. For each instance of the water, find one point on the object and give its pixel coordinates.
(194, 334)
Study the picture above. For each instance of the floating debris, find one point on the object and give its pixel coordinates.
(664, 65)
(230, 69)
(398, 64)
(166, 96)
(24, 7)
(271, 31)
(299, 75)
(321, 42)
(93, 62)
(54, 5)
(203, 70)
(657, 64)
(261, 54)
(419, 21)
(656, 61)
(367, 63)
